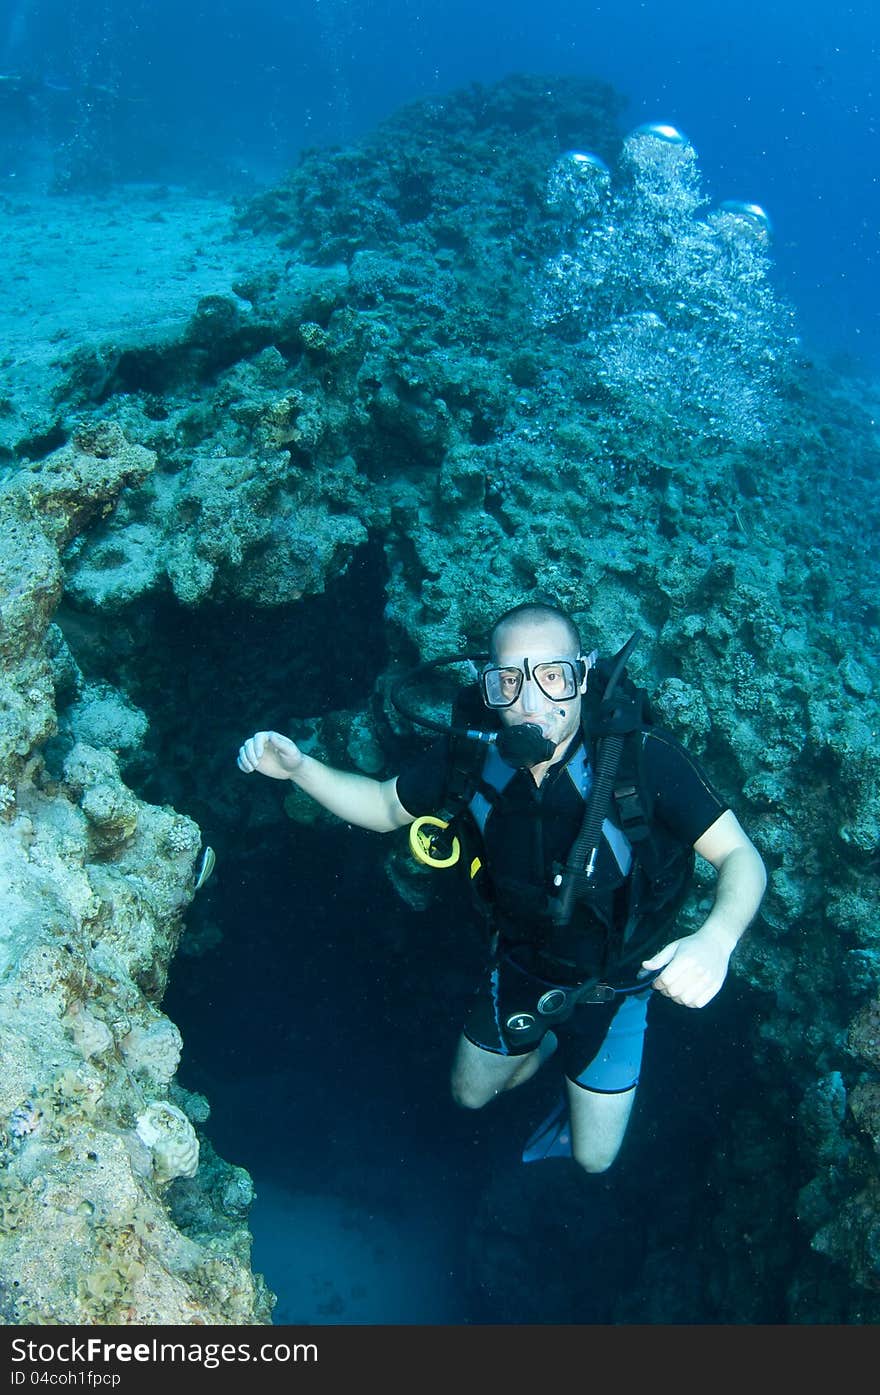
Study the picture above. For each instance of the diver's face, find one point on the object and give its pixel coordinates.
(524, 647)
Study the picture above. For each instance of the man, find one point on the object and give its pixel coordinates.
(579, 982)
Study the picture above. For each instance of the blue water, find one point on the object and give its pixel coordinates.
(780, 100)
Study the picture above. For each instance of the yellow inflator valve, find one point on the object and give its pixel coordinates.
(430, 843)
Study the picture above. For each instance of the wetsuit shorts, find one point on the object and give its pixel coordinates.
(600, 1044)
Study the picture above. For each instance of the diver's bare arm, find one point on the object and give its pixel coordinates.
(742, 880)
(356, 798)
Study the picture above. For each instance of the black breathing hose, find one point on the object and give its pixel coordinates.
(582, 854)
(406, 680)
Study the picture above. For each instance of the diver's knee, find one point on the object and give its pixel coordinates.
(594, 1161)
(594, 1166)
(466, 1097)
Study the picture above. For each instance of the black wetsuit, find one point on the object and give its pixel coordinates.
(527, 830)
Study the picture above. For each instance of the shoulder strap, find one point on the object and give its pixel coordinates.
(662, 860)
(632, 799)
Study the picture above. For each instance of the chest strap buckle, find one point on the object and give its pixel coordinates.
(596, 993)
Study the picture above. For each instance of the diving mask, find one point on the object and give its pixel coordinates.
(558, 679)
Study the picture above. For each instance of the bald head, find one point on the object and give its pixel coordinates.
(534, 620)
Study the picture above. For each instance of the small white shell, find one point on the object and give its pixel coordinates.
(90, 1034)
(153, 1050)
(171, 1139)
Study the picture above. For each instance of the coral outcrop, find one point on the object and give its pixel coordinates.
(94, 887)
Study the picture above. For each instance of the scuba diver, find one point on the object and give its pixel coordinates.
(575, 820)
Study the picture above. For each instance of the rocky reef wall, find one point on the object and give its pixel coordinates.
(112, 1210)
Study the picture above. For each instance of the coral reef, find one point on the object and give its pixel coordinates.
(95, 884)
(404, 422)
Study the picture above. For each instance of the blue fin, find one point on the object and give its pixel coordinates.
(552, 1137)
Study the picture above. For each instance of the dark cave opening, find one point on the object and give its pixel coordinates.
(322, 1027)
(208, 677)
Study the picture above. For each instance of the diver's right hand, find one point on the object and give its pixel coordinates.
(270, 753)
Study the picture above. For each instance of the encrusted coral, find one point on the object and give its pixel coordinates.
(171, 1139)
(86, 946)
(863, 1037)
(102, 717)
(110, 808)
(181, 836)
(91, 1035)
(152, 1050)
(864, 1103)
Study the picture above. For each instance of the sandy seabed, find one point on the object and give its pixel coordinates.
(330, 1261)
(111, 270)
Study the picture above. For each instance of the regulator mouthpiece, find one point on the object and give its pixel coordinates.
(524, 745)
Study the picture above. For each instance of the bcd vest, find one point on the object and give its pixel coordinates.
(643, 873)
